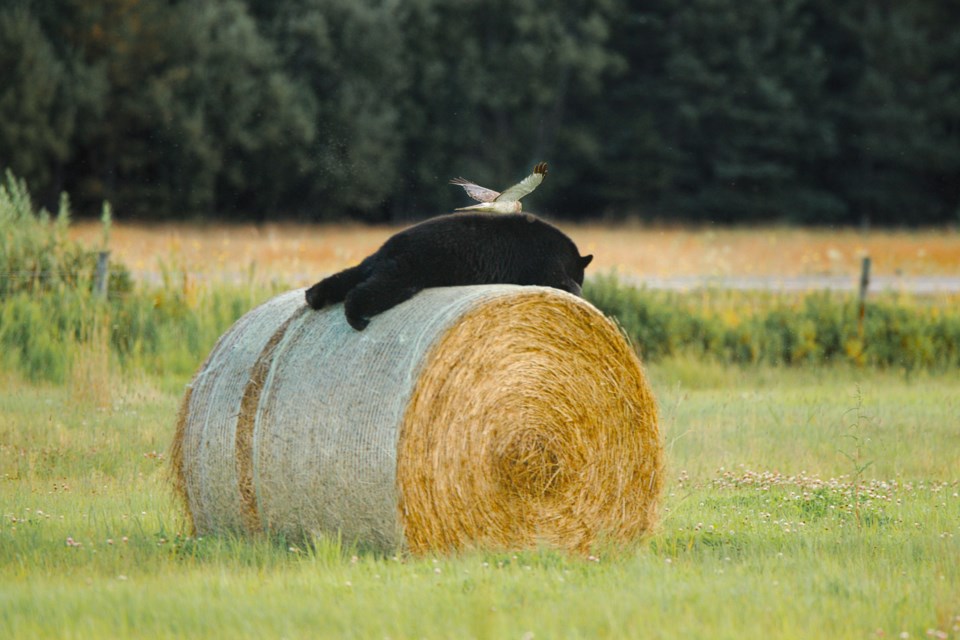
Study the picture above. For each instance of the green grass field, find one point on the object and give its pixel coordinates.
(802, 502)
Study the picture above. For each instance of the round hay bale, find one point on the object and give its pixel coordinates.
(486, 416)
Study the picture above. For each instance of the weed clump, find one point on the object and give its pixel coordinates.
(37, 256)
(55, 327)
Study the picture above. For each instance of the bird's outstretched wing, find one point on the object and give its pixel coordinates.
(525, 186)
(475, 191)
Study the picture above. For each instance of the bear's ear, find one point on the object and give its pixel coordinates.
(585, 260)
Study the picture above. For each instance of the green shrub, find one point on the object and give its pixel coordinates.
(907, 332)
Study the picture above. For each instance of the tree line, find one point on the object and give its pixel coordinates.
(807, 111)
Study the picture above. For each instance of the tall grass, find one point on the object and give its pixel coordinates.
(54, 327)
(36, 254)
(160, 332)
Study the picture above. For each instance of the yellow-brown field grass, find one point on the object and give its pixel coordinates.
(298, 253)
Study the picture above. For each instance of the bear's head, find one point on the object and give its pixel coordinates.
(572, 275)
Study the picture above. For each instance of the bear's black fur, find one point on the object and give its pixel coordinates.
(452, 250)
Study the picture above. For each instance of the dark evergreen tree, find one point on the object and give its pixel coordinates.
(348, 56)
(235, 129)
(44, 94)
(742, 86)
(35, 124)
(496, 87)
(891, 97)
(638, 159)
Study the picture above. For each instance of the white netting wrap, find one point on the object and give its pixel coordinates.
(522, 402)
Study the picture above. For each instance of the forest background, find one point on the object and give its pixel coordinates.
(746, 111)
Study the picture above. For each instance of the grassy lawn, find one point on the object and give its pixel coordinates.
(801, 503)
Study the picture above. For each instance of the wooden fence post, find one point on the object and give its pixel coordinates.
(864, 284)
(102, 277)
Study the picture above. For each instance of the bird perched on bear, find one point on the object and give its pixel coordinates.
(506, 202)
(452, 250)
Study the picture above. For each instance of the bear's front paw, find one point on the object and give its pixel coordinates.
(315, 297)
(357, 322)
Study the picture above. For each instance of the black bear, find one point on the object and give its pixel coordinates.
(452, 250)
